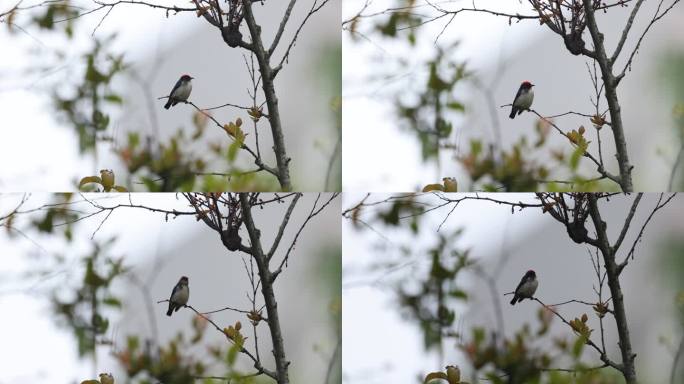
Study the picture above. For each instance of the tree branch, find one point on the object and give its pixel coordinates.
(267, 291)
(281, 230)
(628, 220)
(625, 344)
(267, 77)
(612, 99)
(625, 31)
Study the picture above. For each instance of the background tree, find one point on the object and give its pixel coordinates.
(454, 108)
(578, 329)
(258, 343)
(91, 100)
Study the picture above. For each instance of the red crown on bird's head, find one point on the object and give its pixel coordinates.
(186, 77)
(527, 84)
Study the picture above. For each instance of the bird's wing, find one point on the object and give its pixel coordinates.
(178, 84)
(516, 96)
(175, 288)
(520, 284)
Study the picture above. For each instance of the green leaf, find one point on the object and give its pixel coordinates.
(233, 150)
(90, 179)
(433, 187)
(232, 354)
(113, 98)
(434, 376)
(112, 302)
(456, 106)
(575, 158)
(578, 346)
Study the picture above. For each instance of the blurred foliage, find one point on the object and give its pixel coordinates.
(58, 219)
(452, 375)
(81, 309)
(672, 78)
(58, 16)
(437, 290)
(329, 67)
(83, 105)
(449, 184)
(672, 266)
(174, 363)
(105, 180)
(425, 116)
(520, 359)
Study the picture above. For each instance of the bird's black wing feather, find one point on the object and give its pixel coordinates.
(178, 83)
(520, 284)
(517, 94)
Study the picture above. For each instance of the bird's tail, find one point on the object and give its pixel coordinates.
(515, 298)
(512, 115)
(167, 106)
(170, 311)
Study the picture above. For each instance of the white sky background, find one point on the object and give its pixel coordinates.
(42, 352)
(384, 348)
(379, 155)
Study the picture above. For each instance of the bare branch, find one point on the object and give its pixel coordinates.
(312, 214)
(602, 355)
(281, 230)
(281, 28)
(628, 221)
(625, 31)
(659, 205)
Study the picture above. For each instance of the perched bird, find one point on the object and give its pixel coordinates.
(528, 285)
(180, 92)
(523, 99)
(179, 296)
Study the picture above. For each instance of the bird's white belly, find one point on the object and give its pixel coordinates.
(181, 296)
(527, 290)
(525, 100)
(183, 92)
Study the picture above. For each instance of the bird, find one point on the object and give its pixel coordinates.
(179, 296)
(180, 92)
(523, 99)
(528, 285)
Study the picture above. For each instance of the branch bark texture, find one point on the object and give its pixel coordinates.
(266, 290)
(612, 271)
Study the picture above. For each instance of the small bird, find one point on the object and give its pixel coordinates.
(528, 285)
(179, 296)
(523, 99)
(180, 92)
